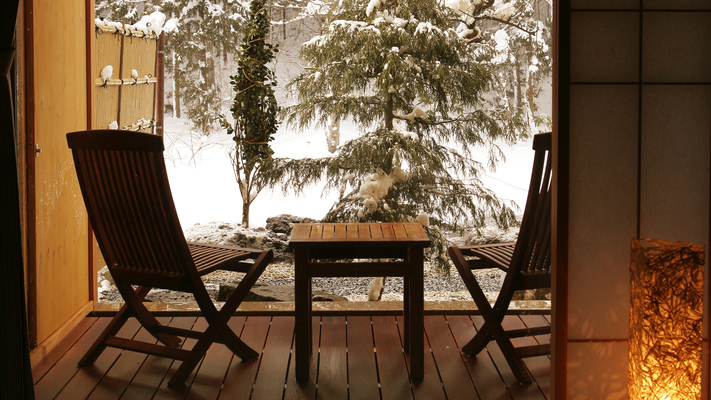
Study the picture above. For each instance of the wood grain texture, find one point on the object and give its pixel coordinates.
(362, 367)
(273, 369)
(332, 365)
(60, 261)
(359, 356)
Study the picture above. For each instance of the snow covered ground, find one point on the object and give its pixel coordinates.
(205, 189)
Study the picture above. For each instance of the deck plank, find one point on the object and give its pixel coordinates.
(518, 390)
(211, 372)
(241, 374)
(296, 390)
(539, 366)
(362, 369)
(154, 369)
(86, 378)
(430, 387)
(332, 363)
(392, 368)
(180, 391)
(63, 370)
(124, 369)
(366, 352)
(452, 371)
(274, 365)
(481, 368)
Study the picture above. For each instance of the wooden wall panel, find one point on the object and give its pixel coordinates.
(59, 264)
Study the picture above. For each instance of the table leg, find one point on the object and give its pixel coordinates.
(417, 314)
(302, 306)
(407, 311)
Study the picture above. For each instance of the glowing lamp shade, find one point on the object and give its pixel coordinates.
(666, 311)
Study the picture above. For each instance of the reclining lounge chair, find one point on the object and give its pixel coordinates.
(125, 187)
(526, 263)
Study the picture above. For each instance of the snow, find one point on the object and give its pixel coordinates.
(423, 219)
(426, 27)
(372, 5)
(504, 12)
(376, 186)
(171, 25)
(316, 7)
(460, 5)
(502, 40)
(417, 112)
(205, 189)
(99, 21)
(399, 22)
(150, 24)
(106, 73)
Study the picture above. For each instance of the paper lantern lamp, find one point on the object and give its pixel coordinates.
(666, 312)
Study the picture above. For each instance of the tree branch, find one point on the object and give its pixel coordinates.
(490, 18)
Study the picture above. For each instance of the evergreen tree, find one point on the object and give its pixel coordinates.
(207, 30)
(255, 108)
(513, 38)
(416, 87)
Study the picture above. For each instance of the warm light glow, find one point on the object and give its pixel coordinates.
(666, 311)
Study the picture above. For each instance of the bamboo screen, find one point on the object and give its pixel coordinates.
(125, 99)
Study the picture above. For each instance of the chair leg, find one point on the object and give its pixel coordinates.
(147, 320)
(112, 329)
(496, 331)
(218, 322)
(229, 338)
(478, 342)
(492, 328)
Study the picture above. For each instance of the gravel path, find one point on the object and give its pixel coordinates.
(438, 286)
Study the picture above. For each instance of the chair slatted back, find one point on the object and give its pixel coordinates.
(532, 254)
(127, 194)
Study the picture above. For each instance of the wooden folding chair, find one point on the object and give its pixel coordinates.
(526, 263)
(125, 186)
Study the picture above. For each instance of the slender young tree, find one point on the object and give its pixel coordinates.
(255, 108)
(417, 87)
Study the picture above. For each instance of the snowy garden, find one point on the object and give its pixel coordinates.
(382, 111)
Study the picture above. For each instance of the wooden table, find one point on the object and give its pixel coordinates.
(394, 249)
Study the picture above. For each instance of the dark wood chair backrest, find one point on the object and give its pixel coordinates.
(127, 195)
(532, 254)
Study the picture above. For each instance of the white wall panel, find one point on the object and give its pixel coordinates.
(676, 47)
(604, 47)
(603, 208)
(597, 371)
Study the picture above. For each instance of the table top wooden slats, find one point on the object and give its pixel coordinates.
(396, 234)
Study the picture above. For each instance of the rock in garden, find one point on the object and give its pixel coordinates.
(284, 223)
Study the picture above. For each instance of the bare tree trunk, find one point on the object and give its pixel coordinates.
(333, 136)
(245, 213)
(389, 114)
(176, 79)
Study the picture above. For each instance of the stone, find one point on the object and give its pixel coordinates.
(532, 294)
(261, 292)
(274, 237)
(284, 223)
(104, 275)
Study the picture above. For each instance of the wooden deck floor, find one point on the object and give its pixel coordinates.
(359, 357)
